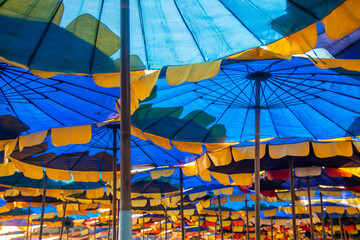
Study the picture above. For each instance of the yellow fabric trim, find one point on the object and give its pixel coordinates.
(349, 64)
(221, 178)
(95, 193)
(205, 175)
(241, 153)
(173, 212)
(161, 173)
(7, 169)
(297, 149)
(242, 179)
(108, 176)
(58, 174)
(3, 143)
(189, 212)
(257, 53)
(237, 197)
(218, 146)
(71, 135)
(31, 139)
(189, 169)
(9, 149)
(138, 133)
(270, 213)
(211, 219)
(308, 171)
(111, 80)
(155, 202)
(203, 162)
(11, 192)
(325, 150)
(315, 209)
(225, 191)
(299, 42)
(221, 158)
(194, 196)
(163, 142)
(343, 20)
(206, 203)
(86, 176)
(199, 207)
(191, 147)
(333, 209)
(304, 193)
(331, 193)
(284, 196)
(53, 193)
(139, 203)
(353, 170)
(353, 201)
(192, 72)
(30, 171)
(238, 229)
(352, 210)
(142, 87)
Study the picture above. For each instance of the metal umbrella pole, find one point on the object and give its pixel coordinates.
(125, 165)
(257, 159)
(199, 227)
(114, 199)
(109, 225)
(310, 209)
(293, 211)
(43, 206)
(217, 217)
(27, 224)
(341, 230)
(220, 219)
(331, 226)
(165, 222)
(232, 230)
(322, 216)
(247, 220)
(271, 228)
(182, 206)
(63, 220)
(143, 229)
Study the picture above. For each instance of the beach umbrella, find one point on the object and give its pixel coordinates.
(89, 30)
(295, 99)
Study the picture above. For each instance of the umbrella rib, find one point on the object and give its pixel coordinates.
(218, 119)
(96, 37)
(106, 145)
(1, 4)
(241, 22)
(190, 32)
(145, 153)
(268, 108)
(316, 96)
(248, 108)
(322, 114)
(288, 107)
(62, 105)
(304, 9)
(143, 32)
(44, 33)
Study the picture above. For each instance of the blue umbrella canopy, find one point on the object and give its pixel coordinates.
(83, 36)
(58, 101)
(296, 99)
(97, 155)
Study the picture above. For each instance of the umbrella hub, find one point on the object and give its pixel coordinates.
(258, 75)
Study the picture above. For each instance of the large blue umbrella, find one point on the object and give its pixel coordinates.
(83, 36)
(58, 101)
(295, 99)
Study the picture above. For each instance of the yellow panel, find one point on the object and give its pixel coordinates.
(221, 158)
(205, 175)
(189, 169)
(206, 203)
(325, 150)
(139, 203)
(343, 20)
(95, 193)
(307, 171)
(238, 152)
(203, 162)
(86, 176)
(161, 173)
(57, 174)
(7, 169)
(8, 150)
(138, 133)
(31, 139)
(71, 135)
(221, 178)
(296, 43)
(285, 196)
(304, 193)
(194, 196)
(193, 72)
(53, 193)
(142, 87)
(30, 171)
(297, 149)
(257, 53)
(108, 176)
(189, 212)
(269, 213)
(218, 146)
(242, 179)
(237, 197)
(225, 191)
(352, 210)
(191, 147)
(163, 142)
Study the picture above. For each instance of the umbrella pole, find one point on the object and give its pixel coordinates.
(331, 226)
(114, 200)
(310, 209)
(220, 219)
(232, 230)
(182, 205)
(322, 216)
(63, 220)
(109, 225)
(341, 230)
(257, 160)
(95, 230)
(43, 206)
(27, 224)
(271, 228)
(216, 226)
(125, 166)
(293, 197)
(143, 232)
(165, 222)
(31, 231)
(247, 220)
(199, 227)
